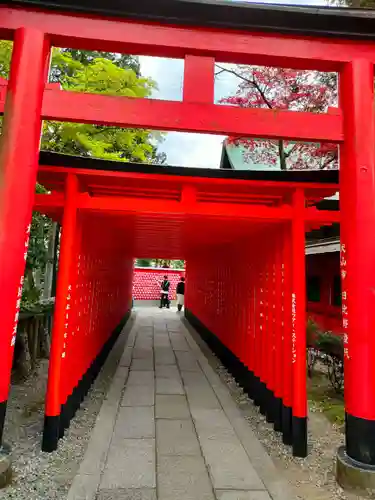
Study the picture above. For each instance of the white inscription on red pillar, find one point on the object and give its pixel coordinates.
(20, 287)
(66, 324)
(344, 299)
(294, 320)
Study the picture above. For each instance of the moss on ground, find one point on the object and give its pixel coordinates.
(325, 399)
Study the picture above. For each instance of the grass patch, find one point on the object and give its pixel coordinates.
(326, 399)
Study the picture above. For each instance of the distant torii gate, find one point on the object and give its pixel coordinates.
(201, 37)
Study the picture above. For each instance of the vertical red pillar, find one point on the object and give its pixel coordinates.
(19, 150)
(357, 205)
(61, 318)
(278, 342)
(299, 423)
(286, 284)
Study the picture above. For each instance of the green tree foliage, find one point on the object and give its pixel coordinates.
(91, 72)
(79, 72)
(121, 60)
(143, 262)
(5, 57)
(110, 74)
(166, 263)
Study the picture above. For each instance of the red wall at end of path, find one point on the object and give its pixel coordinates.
(146, 283)
(325, 314)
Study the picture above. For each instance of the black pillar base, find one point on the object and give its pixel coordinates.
(3, 410)
(55, 426)
(299, 433)
(51, 433)
(257, 391)
(277, 425)
(294, 430)
(360, 439)
(286, 424)
(271, 407)
(263, 395)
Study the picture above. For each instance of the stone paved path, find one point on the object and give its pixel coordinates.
(169, 429)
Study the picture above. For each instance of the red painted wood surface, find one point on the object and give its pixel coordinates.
(228, 232)
(18, 169)
(327, 315)
(147, 281)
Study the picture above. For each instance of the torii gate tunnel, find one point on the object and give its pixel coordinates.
(243, 236)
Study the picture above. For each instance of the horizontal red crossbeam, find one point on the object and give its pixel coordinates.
(52, 174)
(129, 37)
(188, 117)
(108, 204)
(144, 206)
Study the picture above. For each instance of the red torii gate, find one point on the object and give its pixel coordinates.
(171, 213)
(227, 37)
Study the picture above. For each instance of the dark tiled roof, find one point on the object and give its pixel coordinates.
(320, 21)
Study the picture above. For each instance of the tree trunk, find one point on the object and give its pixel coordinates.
(45, 336)
(55, 260)
(282, 156)
(22, 362)
(48, 278)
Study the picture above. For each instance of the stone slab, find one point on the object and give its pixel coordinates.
(84, 487)
(179, 343)
(167, 371)
(127, 494)
(183, 478)
(139, 395)
(165, 358)
(141, 378)
(187, 362)
(168, 386)
(242, 495)
(100, 439)
(130, 465)
(171, 406)
(201, 397)
(229, 465)
(176, 437)
(126, 357)
(141, 353)
(117, 386)
(134, 423)
(212, 424)
(143, 364)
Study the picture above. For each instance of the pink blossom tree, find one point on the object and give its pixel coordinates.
(285, 89)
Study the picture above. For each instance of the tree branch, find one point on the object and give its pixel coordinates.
(330, 160)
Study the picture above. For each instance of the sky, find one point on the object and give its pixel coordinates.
(187, 149)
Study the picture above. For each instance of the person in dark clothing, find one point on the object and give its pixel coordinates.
(180, 292)
(164, 293)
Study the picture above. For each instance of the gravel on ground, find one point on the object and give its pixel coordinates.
(38, 475)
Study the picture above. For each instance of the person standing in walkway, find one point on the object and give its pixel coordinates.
(180, 291)
(164, 293)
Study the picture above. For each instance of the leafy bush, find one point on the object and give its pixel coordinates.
(312, 333)
(330, 344)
